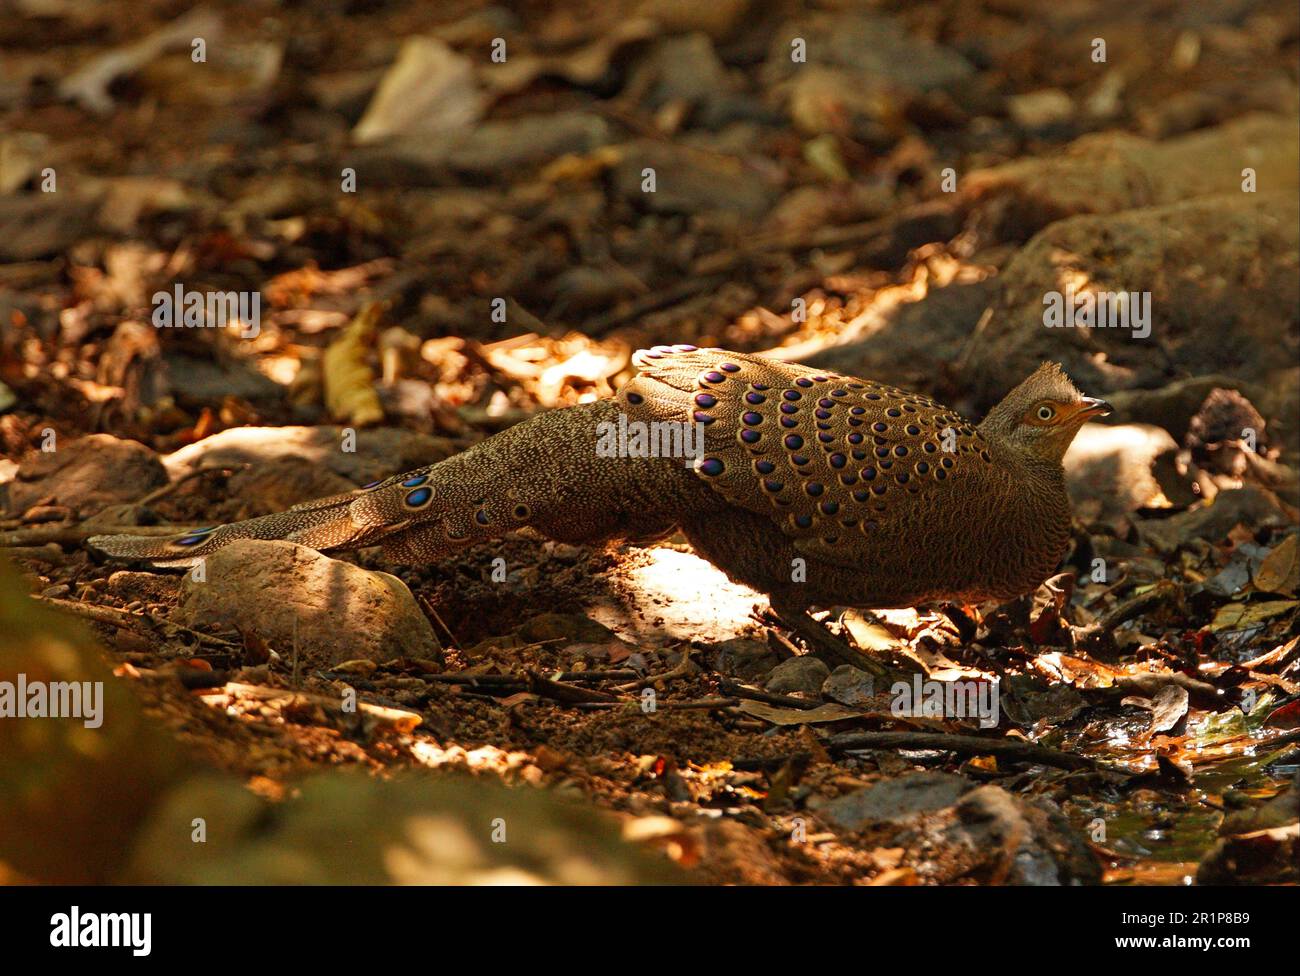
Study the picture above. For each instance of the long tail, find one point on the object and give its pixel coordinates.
(544, 473)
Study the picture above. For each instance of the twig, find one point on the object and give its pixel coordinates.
(171, 486)
(75, 535)
(48, 553)
(969, 745)
(1162, 592)
(424, 601)
(663, 706)
(569, 694)
(496, 680)
(678, 670)
(128, 620)
(767, 697)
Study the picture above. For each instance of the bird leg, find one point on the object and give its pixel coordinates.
(830, 648)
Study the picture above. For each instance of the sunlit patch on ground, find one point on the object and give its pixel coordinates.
(680, 597)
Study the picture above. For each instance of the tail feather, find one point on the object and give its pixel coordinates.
(546, 473)
(327, 523)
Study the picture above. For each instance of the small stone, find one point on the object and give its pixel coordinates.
(849, 686)
(805, 673)
(743, 658)
(895, 800)
(1040, 109)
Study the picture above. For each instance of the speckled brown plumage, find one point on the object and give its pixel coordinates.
(815, 488)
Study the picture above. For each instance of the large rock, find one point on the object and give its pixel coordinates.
(87, 475)
(877, 50)
(1109, 468)
(290, 596)
(1221, 275)
(1113, 171)
(348, 829)
(379, 452)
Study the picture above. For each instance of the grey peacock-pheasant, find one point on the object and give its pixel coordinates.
(889, 498)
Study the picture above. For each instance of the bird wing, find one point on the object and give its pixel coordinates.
(837, 462)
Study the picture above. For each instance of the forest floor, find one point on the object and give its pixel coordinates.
(1148, 723)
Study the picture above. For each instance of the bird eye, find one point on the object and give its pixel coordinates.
(1046, 413)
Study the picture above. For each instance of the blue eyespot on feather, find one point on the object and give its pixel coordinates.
(373, 484)
(195, 537)
(420, 497)
(415, 482)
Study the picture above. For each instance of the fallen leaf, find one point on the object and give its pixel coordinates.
(1280, 571)
(349, 381)
(429, 91)
(1243, 616)
(799, 716)
(1167, 708)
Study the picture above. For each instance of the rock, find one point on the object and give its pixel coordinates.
(1173, 405)
(205, 380)
(915, 343)
(87, 474)
(1269, 856)
(895, 800)
(284, 592)
(719, 20)
(567, 627)
(1211, 522)
(1023, 842)
(690, 182)
(805, 673)
(284, 482)
(1109, 468)
(49, 831)
(380, 451)
(849, 686)
(1040, 109)
(1218, 274)
(876, 49)
(495, 147)
(34, 226)
(743, 658)
(682, 69)
(1113, 171)
(739, 854)
(345, 828)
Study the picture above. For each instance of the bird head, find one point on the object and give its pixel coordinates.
(1039, 418)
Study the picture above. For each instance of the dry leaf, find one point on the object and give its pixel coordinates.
(1280, 570)
(349, 381)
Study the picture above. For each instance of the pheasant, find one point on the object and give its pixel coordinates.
(813, 488)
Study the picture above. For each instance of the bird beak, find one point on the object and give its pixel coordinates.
(1092, 407)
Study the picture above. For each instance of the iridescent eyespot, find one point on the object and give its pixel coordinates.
(522, 511)
(372, 484)
(415, 482)
(418, 498)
